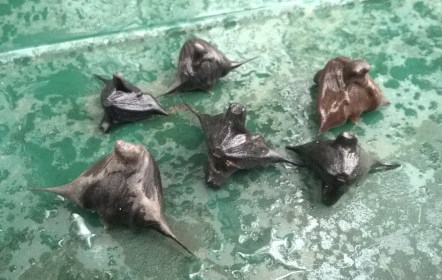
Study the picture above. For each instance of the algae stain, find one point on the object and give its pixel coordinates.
(186, 135)
(409, 112)
(391, 83)
(373, 117)
(399, 73)
(65, 149)
(423, 10)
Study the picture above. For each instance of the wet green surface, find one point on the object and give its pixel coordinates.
(267, 223)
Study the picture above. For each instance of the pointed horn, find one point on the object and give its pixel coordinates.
(195, 112)
(190, 108)
(295, 163)
(280, 158)
(384, 101)
(316, 77)
(164, 229)
(172, 88)
(101, 78)
(380, 166)
(161, 111)
(298, 152)
(293, 148)
(235, 65)
(63, 190)
(174, 238)
(323, 127)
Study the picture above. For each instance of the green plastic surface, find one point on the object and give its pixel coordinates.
(266, 223)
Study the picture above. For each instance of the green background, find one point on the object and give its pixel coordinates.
(266, 223)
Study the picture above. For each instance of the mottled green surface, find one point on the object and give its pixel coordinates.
(267, 223)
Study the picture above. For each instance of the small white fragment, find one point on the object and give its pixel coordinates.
(82, 230)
